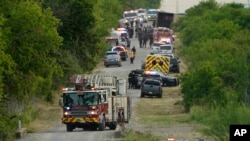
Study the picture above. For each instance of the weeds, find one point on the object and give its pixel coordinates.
(131, 135)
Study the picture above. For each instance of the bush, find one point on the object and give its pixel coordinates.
(219, 119)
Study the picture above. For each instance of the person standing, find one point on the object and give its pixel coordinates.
(134, 81)
(140, 37)
(132, 56)
(130, 80)
(145, 39)
(133, 49)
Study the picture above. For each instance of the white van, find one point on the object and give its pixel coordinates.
(166, 49)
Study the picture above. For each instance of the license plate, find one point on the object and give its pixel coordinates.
(150, 93)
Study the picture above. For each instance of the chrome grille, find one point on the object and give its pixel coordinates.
(79, 113)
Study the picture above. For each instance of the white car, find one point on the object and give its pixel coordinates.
(166, 49)
(155, 49)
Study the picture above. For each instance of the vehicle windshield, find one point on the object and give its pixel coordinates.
(153, 12)
(111, 53)
(166, 47)
(130, 14)
(152, 82)
(118, 49)
(76, 99)
(112, 56)
(157, 44)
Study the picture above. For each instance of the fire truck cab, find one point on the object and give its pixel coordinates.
(101, 103)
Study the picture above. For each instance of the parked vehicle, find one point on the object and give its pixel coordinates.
(174, 65)
(130, 16)
(112, 58)
(164, 19)
(152, 14)
(151, 87)
(163, 34)
(96, 102)
(155, 49)
(122, 52)
(157, 62)
(166, 49)
(168, 81)
(151, 75)
(143, 14)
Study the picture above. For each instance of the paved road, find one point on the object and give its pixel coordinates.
(59, 132)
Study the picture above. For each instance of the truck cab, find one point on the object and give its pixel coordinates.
(99, 102)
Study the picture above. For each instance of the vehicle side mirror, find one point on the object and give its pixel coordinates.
(60, 103)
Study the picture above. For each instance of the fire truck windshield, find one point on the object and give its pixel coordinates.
(83, 99)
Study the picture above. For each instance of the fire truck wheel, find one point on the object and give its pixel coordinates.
(69, 128)
(113, 126)
(102, 124)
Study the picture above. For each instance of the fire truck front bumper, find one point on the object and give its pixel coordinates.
(82, 120)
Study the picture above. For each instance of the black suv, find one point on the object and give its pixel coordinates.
(174, 65)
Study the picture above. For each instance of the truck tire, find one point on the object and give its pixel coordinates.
(102, 125)
(69, 128)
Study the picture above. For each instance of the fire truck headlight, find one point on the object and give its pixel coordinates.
(92, 113)
(66, 113)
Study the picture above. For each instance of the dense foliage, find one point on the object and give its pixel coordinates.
(44, 42)
(216, 49)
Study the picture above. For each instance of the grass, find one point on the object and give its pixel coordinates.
(162, 111)
(138, 136)
(48, 115)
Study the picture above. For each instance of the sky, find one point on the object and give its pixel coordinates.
(179, 6)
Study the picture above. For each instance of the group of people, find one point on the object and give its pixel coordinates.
(132, 80)
(145, 34)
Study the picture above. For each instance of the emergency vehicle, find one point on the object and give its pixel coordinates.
(163, 34)
(157, 62)
(130, 15)
(117, 35)
(96, 101)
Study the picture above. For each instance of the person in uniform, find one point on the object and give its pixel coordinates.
(132, 56)
(130, 80)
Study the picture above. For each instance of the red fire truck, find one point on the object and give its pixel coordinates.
(95, 102)
(163, 34)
